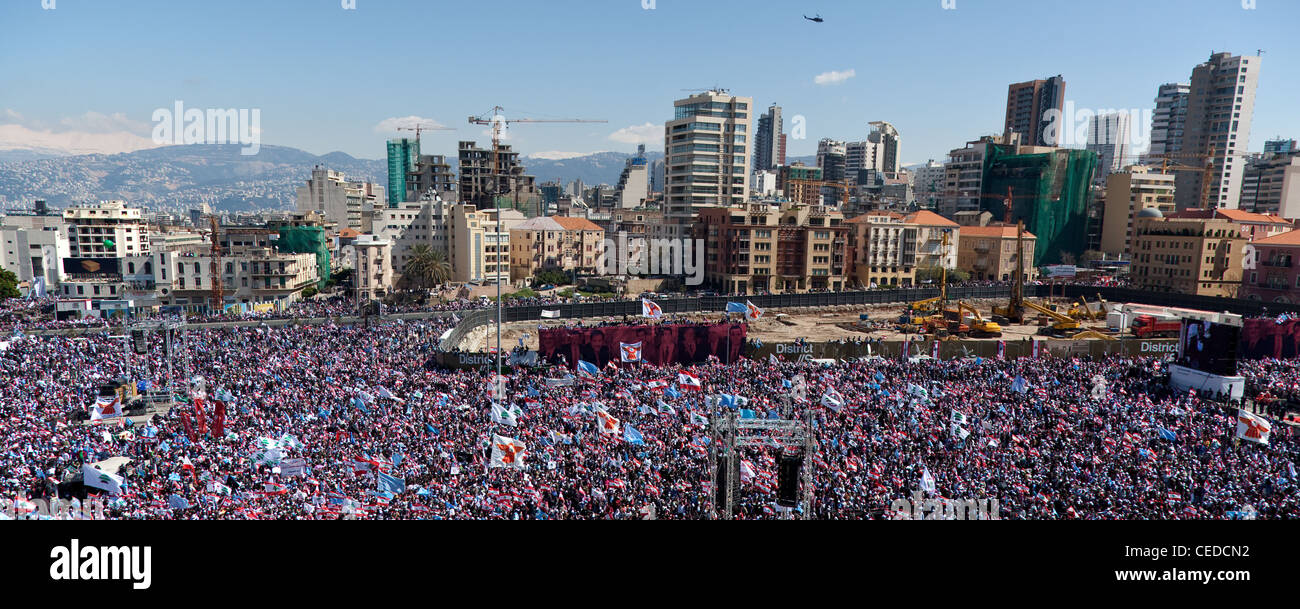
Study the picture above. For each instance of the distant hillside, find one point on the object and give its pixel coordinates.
(597, 168)
(176, 178)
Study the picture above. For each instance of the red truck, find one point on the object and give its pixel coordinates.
(1148, 326)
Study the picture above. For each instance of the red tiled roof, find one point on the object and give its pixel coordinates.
(1291, 237)
(929, 218)
(991, 231)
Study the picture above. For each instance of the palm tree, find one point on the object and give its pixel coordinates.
(426, 268)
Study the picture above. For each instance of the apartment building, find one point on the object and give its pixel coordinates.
(761, 247)
(1201, 256)
(1128, 194)
(555, 243)
(707, 151)
(1274, 275)
(989, 253)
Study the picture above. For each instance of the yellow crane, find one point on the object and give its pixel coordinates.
(846, 187)
(1207, 170)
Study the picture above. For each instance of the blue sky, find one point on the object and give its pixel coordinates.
(326, 78)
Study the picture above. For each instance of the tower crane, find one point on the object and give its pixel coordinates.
(424, 127)
(497, 121)
(1207, 170)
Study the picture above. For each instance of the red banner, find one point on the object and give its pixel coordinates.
(661, 344)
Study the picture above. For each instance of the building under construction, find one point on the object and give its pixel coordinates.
(501, 182)
(1049, 191)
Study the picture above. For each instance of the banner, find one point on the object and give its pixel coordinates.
(660, 344)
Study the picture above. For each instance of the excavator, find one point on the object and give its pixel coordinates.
(1083, 311)
(979, 327)
(1014, 312)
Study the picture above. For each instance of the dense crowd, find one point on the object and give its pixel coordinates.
(1074, 438)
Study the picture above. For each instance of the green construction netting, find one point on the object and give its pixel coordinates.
(307, 240)
(1049, 192)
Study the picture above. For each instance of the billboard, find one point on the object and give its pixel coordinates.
(1262, 338)
(661, 344)
(1209, 347)
(91, 266)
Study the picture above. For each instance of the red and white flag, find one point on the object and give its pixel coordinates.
(1253, 428)
(689, 381)
(507, 452)
(752, 312)
(106, 407)
(608, 424)
(650, 309)
(630, 352)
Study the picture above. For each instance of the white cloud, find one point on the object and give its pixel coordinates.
(390, 125)
(834, 77)
(94, 122)
(650, 134)
(89, 133)
(18, 137)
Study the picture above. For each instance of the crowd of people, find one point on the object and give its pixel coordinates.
(381, 435)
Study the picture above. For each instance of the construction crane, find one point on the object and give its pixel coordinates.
(1207, 170)
(1015, 309)
(497, 121)
(423, 127)
(218, 286)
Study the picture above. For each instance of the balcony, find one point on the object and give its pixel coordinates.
(1277, 264)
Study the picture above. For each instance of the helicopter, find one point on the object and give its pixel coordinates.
(817, 19)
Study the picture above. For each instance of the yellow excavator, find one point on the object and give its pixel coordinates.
(1083, 311)
(979, 327)
(1062, 324)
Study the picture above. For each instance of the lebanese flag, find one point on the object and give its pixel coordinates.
(1253, 428)
(189, 467)
(689, 381)
(657, 385)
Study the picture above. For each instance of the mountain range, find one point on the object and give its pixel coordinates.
(178, 178)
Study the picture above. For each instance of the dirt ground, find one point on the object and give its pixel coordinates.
(815, 325)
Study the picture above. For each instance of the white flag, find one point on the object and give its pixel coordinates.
(608, 424)
(505, 416)
(101, 479)
(1253, 428)
(927, 481)
(507, 452)
(650, 309)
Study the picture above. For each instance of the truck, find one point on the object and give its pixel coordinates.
(1148, 326)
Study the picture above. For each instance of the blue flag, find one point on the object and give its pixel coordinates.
(745, 413)
(737, 307)
(1020, 385)
(588, 368)
(672, 392)
(176, 502)
(632, 436)
(391, 484)
(1165, 434)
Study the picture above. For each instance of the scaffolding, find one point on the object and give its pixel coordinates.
(729, 435)
(1052, 190)
(175, 337)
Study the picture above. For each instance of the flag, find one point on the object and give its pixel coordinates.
(630, 352)
(650, 309)
(959, 431)
(737, 307)
(106, 407)
(1253, 428)
(1035, 350)
(632, 436)
(665, 408)
(934, 352)
(177, 502)
(608, 424)
(588, 369)
(689, 381)
(1020, 385)
(383, 392)
(771, 359)
(672, 392)
(832, 399)
(268, 451)
(958, 418)
(551, 313)
(752, 313)
(219, 419)
(507, 452)
(746, 471)
(505, 416)
(391, 484)
(1165, 434)
(698, 419)
(1002, 349)
(100, 479)
(1282, 318)
(927, 481)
